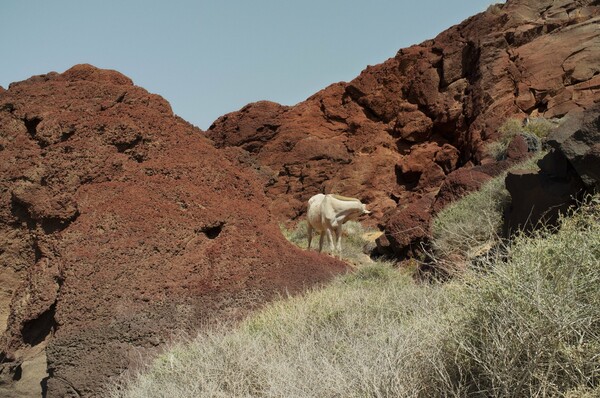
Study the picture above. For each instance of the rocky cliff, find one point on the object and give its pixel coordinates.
(397, 136)
(120, 225)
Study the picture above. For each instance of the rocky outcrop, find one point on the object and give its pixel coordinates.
(122, 225)
(571, 168)
(397, 132)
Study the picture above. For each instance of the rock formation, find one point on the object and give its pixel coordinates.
(395, 135)
(121, 225)
(567, 172)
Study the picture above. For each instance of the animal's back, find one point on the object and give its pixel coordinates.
(344, 198)
(313, 214)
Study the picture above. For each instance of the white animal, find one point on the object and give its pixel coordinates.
(327, 213)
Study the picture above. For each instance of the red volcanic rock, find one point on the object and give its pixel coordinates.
(401, 127)
(458, 184)
(517, 148)
(125, 225)
(408, 227)
(419, 169)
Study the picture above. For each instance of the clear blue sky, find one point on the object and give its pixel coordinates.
(208, 58)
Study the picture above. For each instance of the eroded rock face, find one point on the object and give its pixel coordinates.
(567, 172)
(397, 131)
(124, 225)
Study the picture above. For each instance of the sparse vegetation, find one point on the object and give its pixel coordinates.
(534, 130)
(355, 238)
(471, 226)
(524, 325)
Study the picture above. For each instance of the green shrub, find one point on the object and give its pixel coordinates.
(540, 127)
(534, 131)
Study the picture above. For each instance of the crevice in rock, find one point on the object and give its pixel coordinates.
(357, 96)
(49, 225)
(121, 98)
(18, 373)
(212, 231)
(36, 330)
(44, 385)
(125, 146)
(31, 126)
(21, 213)
(66, 135)
(328, 117)
(470, 61)
(52, 225)
(8, 107)
(254, 144)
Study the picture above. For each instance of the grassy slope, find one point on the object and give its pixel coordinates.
(524, 325)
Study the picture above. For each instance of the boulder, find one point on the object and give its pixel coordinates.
(571, 168)
(578, 139)
(407, 228)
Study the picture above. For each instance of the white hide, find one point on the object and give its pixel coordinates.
(327, 213)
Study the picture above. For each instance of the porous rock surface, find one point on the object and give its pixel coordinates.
(120, 226)
(394, 135)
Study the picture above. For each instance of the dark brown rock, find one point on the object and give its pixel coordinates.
(408, 227)
(537, 199)
(517, 148)
(123, 226)
(571, 168)
(578, 139)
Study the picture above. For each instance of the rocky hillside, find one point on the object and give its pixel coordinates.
(405, 134)
(121, 224)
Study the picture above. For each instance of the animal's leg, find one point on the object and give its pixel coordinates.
(309, 230)
(331, 241)
(338, 235)
(321, 241)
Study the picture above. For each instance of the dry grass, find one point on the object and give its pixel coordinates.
(355, 238)
(534, 327)
(470, 227)
(525, 325)
(534, 132)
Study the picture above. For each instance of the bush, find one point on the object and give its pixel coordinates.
(472, 225)
(527, 325)
(534, 320)
(373, 333)
(534, 131)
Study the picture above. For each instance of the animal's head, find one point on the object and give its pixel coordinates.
(359, 211)
(363, 209)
